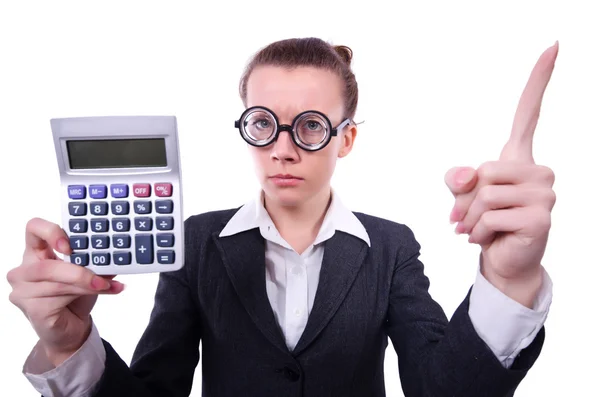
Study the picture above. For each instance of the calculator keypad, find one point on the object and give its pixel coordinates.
(137, 215)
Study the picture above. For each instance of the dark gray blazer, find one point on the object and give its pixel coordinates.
(365, 295)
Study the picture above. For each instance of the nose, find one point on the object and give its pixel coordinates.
(284, 149)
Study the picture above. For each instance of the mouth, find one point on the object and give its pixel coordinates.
(286, 177)
(285, 180)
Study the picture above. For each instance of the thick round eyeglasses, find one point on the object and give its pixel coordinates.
(310, 130)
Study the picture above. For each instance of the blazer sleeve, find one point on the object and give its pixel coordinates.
(437, 357)
(167, 354)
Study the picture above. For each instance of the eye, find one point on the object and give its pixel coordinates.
(262, 123)
(313, 125)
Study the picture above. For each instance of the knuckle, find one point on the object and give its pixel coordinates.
(546, 175)
(485, 170)
(486, 195)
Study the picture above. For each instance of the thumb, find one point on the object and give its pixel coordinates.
(461, 180)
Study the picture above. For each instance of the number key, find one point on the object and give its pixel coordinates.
(99, 208)
(121, 241)
(100, 242)
(100, 259)
(78, 225)
(120, 224)
(119, 207)
(99, 225)
(77, 208)
(78, 242)
(80, 259)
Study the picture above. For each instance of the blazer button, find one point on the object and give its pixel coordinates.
(290, 374)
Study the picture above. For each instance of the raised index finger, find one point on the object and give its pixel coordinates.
(520, 144)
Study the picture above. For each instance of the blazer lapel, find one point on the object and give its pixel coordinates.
(344, 254)
(244, 257)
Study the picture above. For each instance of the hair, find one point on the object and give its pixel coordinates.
(296, 52)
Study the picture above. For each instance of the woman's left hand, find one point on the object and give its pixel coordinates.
(505, 205)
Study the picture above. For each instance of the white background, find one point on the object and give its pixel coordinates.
(439, 83)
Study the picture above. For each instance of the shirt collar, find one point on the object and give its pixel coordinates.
(254, 215)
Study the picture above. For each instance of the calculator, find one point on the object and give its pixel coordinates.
(120, 187)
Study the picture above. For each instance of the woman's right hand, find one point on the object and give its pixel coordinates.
(56, 296)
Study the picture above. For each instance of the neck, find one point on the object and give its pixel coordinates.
(300, 223)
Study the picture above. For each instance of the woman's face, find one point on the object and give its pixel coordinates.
(288, 174)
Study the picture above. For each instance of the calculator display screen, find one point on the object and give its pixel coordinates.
(117, 153)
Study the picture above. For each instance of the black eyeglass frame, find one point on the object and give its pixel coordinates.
(289, 128)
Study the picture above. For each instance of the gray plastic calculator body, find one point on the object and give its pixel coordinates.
(121, 192)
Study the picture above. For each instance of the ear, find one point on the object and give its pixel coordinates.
(348, 138)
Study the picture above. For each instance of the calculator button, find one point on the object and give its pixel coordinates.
(165, 257)
(76, 192)
(100, 259)
(144, 251)
(119, 190)
(142, 207)
(99, 225)
(78, 225)
(165, 239)
(164, 206)
(164, 223)
(141, 189)
(163, 189)
(119, 207)
(80, 259)
(100, 242)
(121, 224)
(98, 191)
(77, 209)
(98, 208)
(143, 224)
(121, 241)
(122, 258)
(78, 242)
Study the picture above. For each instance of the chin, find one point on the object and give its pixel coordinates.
(287, 197)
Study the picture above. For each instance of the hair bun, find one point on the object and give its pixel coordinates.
(344, 52)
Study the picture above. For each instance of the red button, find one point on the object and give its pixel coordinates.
(141, 189)
(163, 189)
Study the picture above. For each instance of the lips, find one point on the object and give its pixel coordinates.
(286, 176)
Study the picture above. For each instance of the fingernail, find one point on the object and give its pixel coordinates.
(64, 245)
(99, 283)
(464, 176)
(460, 228)
(454, 215)
(116, 286)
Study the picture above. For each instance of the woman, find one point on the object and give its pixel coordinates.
(295, 295)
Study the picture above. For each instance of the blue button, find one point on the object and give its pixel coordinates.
(77, 208)
(121, 241)
(144, 250)
(78, 242)
(164, 223)
(165, 239)
(122, 258)
(100, 259)
(76, 191)
(164, 206)
(165, 257)
(120, 224)
(119, 190)
(99, 225)
(97, 191)
(99, 242)
(80, 259)
(78, 225)
(143, 224)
